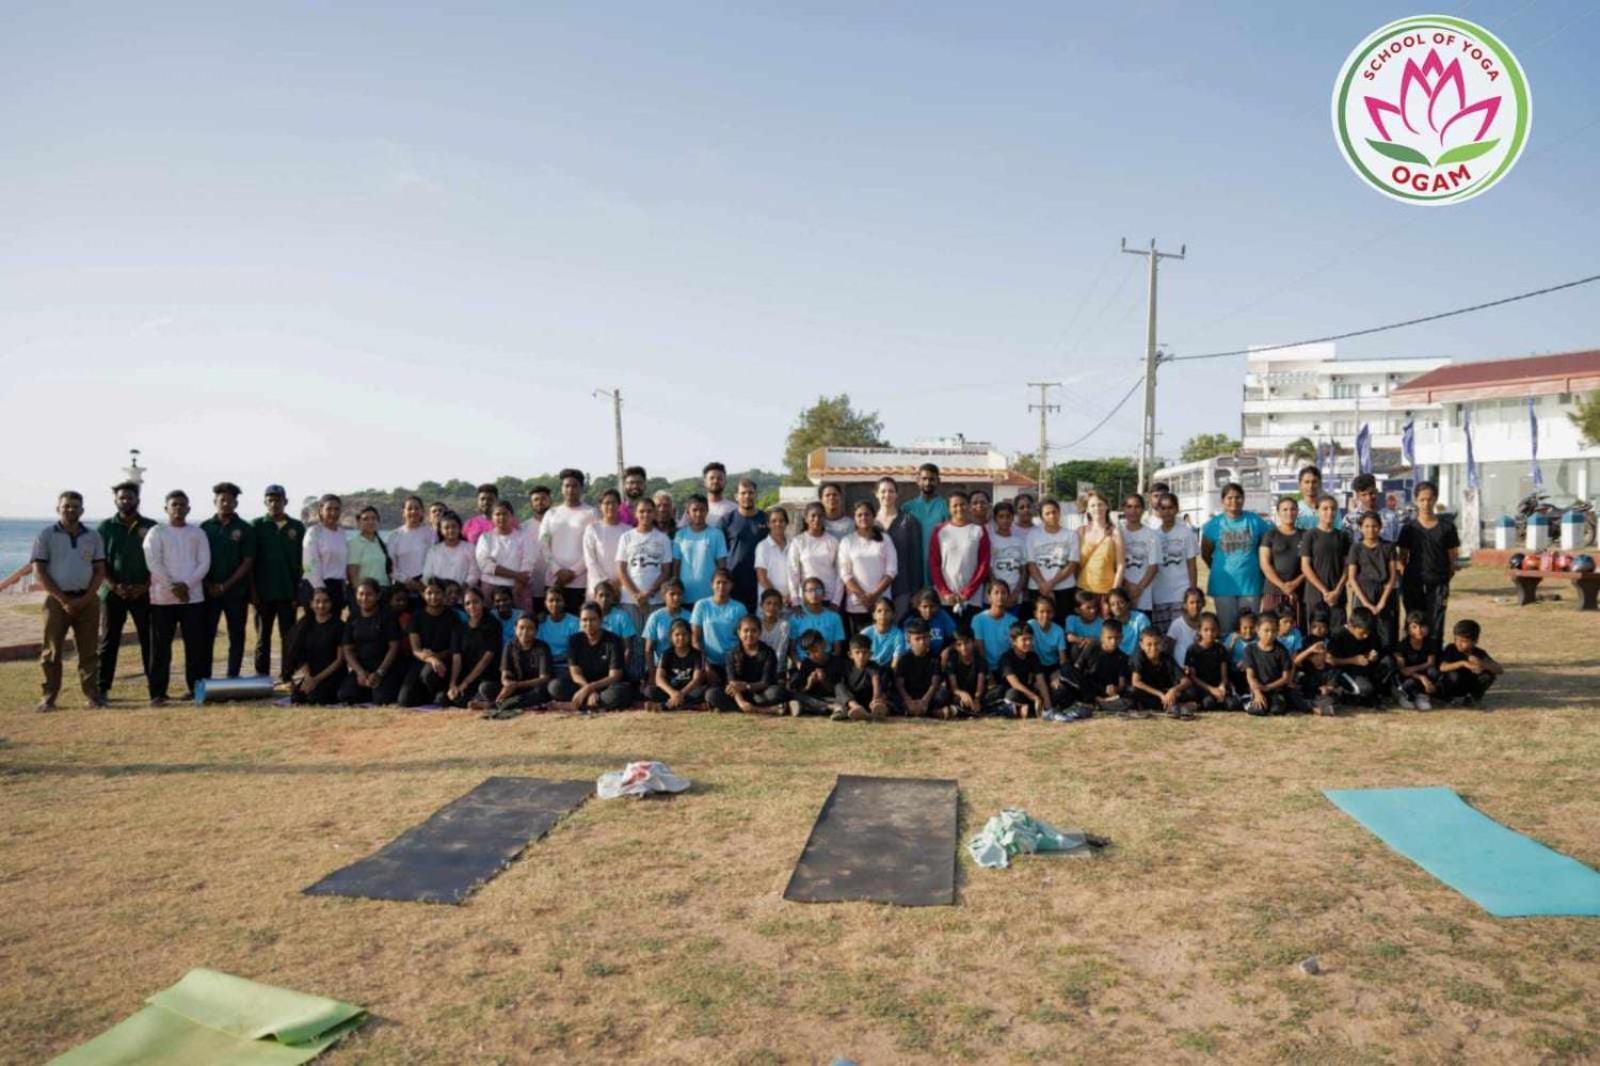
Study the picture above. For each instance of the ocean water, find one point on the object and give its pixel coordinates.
(16, 541)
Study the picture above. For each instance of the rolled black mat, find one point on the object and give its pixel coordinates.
(462, 845)
(883, 840)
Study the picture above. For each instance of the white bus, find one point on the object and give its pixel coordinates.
(1198, 486)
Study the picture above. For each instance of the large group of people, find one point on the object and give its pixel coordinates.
(942, 605)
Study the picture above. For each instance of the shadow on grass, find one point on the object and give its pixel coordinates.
(156, 769)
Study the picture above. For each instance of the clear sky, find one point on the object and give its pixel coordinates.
(339, 246)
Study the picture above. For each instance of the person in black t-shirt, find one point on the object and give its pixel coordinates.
(1158, 684)
(1323, 551)
(1428, 546)
(1206, 665)
(918, 682)
(1027, 691)
(313, 662)
(1373, 572)
(752, 676)
(1269, 669)
(1361, 674)
(965, 674)
(680, 680)
(859, 694)
(1416, 667)
(1280, 560)
(1100, 671)
(479, 650)
(435, 642)
(596, 661)
(815, 683)
(1313, 676)
(526, 670)
(371, 649)
(1466, 669)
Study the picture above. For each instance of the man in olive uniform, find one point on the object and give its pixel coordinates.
(276, 575)
(127, 588)
(233, 553)
(69, 562)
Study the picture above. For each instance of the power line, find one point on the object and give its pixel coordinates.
(1109, 415)
(1389, 326)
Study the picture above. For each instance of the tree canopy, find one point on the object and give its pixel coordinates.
(1587, 418)
(1208, 446)
(830, 422)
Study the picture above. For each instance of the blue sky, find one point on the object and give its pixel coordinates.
(339, 246)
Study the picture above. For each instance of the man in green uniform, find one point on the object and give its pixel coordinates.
(233, 553)
(127, 586)
(276, 575)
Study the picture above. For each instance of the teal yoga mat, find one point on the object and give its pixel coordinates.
(1502, 871)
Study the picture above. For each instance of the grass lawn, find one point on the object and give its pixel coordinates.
(140, 843)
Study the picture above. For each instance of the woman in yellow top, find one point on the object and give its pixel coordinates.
(1100, 550)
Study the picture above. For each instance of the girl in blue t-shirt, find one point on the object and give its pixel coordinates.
(941, 627)
(1230, 543)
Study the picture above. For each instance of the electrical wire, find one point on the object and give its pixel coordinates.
(1109, 415)
(1389, 326)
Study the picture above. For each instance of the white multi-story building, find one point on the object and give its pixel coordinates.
(1290, 393)
(1497, 393)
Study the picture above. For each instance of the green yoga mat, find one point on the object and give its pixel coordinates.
(1502, 871)
(215, 1018)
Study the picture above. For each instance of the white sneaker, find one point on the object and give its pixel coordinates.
(1422, 702)
(1403, 700)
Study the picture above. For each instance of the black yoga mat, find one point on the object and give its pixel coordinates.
(462, 845)
(881, 839)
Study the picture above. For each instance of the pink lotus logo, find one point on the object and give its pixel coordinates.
(1443, 114)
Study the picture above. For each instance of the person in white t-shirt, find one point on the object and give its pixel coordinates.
(409, 544)
(452, 559)
(715, 478)
(502, 554)
(1179, 572)
(561, 534)
(814, 552)
(1008, 551)
(1053, 560)
(600, 542)
(643, 561)
(835, 519)
(958, 559)
(1141, 552)
(772, 557)
(868, 563)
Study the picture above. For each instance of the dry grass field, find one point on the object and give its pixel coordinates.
(138, 843)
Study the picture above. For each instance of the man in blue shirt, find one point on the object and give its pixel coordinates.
(1230, 544)
(930, 509)
(1310, 493)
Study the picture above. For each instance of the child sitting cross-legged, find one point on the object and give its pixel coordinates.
(1206, 665)
(1416, 673)
(679, 683)
(1269, 671)
(918, 681)
(814, 682)
(1100, 672)
(1158, 683)
(1313, 676)
(859, 696)
(1027, 689)
(1466, 669)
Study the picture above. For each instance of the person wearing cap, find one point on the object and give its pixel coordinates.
(276, 575)
(127, 586)
(69, 561)
(179, 556)
(233, 553)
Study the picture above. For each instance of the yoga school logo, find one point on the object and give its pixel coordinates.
(1431, 110)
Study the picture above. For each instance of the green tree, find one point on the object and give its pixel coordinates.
(1300, 450)
(1587, 418)
(830, 422)
(1111, 476)
(1208, 446)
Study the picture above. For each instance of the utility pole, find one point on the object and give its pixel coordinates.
(1044, 407)
(615, 396)
(1147, 440)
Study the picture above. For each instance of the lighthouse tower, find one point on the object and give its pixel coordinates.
(133, 471)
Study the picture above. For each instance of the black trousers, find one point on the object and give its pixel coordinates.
(166, 620)
(721, 700)
(384, 693)
(693, 699)
(233, 607)
(422, 685)
(114, 619)
(271, 613)
(617, 696)
(1457, 684)
(1431, 600)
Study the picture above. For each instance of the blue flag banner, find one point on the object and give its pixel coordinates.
(1364, 449)
(1533, 440)
(1466, 431)
(1408, 449)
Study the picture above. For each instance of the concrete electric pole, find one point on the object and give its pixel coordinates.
(615, 396)
(1044, 407)
(1147, 440)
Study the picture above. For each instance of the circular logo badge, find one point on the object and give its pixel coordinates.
(1431, 110)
